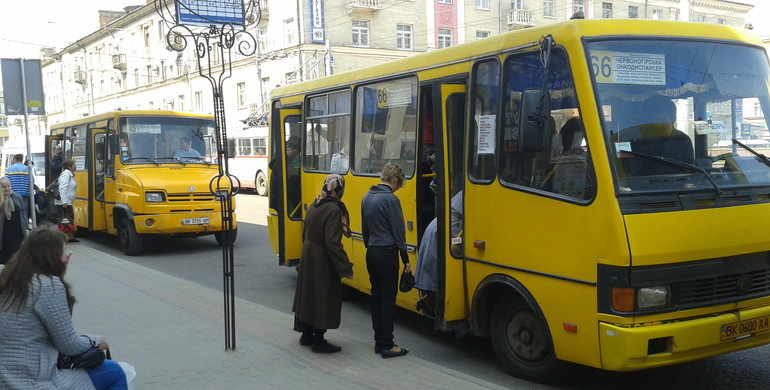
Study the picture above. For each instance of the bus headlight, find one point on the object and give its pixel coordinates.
(652, 297)
(154, 197)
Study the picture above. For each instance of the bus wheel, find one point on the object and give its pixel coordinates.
(130, 241)
(522, 342)
(260, 184)
(233, 236)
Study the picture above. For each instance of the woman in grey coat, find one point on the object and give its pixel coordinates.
(36, 321)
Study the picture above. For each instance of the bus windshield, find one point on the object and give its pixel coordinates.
(166, 140)
(671, 110)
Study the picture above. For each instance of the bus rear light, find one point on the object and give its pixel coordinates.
(623, 299)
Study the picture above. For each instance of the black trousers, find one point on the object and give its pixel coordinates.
(382, 264)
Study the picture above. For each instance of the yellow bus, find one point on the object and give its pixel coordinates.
(596, 226)
(141, 174)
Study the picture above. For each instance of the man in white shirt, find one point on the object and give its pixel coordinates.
(185, 150)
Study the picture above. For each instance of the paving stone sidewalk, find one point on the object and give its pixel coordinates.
(172, 331)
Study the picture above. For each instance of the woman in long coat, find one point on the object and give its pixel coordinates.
(318, 299)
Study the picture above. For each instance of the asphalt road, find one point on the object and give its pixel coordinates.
(259, 279)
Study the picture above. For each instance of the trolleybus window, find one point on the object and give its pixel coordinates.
(386, 124)
(665, 104)
(485, 110)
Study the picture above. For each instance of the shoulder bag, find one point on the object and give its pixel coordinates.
(93, 357)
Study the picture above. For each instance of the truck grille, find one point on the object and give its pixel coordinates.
(191, 197)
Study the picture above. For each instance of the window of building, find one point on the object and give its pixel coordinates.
(146, 34)
(161, 31)
(482, 4)
(633, 12)
(404, 36)
(136, 77)
(327, 140)
(482, 34)
(548, 8)
(607, 10)
(657, 14)
(444, 37)
(361, 33)
(578, 6)
(292, 77)
(721, 21)
(517, 4)
(289, 32)
(700, 19)
(198, 102)
(386, 126)
(180, 99)
(241, 91)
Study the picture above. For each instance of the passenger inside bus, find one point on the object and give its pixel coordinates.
(654, 134)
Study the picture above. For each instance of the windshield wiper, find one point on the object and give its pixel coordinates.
(173, 159)
(760, 156)
(140, 158)
(676, 163)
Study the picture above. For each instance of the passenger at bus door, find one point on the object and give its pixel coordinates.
(426, 270)
(67, 189)
(340, 162)
(293, 190)
(18, 174)
(56, 161)
(318, 297)
(384, 237)
(185, 150)
(13, 228)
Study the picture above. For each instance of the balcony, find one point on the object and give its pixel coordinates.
(119, 62)
(520, 18)
(79, 76)
(364, 5)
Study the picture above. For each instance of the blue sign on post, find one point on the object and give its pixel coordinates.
(745, 130)
(208, 12)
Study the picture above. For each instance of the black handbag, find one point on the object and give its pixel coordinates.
(407, 282)
(93, 357)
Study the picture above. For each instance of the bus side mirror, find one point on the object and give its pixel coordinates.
(535, 120)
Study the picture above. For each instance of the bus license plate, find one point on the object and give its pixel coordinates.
(195, 221)
(744, 328)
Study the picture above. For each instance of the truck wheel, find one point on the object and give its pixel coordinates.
(523, 343)
(130, 241)
(233, 236)
(260, 184)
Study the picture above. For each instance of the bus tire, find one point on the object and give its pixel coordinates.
(233, 236)
(260, 184)
(522, 342)
(131, 242)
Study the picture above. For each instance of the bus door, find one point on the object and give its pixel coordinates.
(451, 296)
(53, 158)
(285, 198)
(97, 178)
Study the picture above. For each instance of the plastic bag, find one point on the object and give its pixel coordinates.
(130, 374)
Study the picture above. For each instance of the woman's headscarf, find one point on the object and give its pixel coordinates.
(333, 189)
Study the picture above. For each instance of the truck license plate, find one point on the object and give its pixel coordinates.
(195, 221)
(744, 328)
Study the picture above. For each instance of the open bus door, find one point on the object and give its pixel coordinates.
(284, 219)
(451, 296)
(97, 180)
(53, 159)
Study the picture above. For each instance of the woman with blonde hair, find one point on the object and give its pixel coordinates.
(36, 321)
(384, 238)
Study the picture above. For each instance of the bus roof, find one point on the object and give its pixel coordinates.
(571, 30)
(112, 114)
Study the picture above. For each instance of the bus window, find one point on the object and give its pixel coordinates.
(563, 167)
(327, 133)
(486, 102)
(386, 126)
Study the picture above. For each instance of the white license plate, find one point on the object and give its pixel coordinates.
(195, 221)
